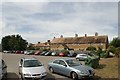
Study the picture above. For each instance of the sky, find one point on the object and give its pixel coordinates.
(42, 21)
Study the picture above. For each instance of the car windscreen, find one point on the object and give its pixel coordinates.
(32, 63)
(73, 62)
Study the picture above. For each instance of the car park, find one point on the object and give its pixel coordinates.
(3, 70)
(31, 68)
(71, 68)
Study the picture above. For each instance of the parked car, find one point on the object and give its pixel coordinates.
(83, 56)
(72, 54)
(43, 53)
(31, 68)
(37, 53)
(29, 52)
(3, 70)
(19, 52)
(71, 68)
(62, 54)
(54, 53)
(48, 53)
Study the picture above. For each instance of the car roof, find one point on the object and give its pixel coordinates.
(64, 59)
(82, 54)
(29, 58)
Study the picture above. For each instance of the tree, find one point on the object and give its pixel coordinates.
(115, 42)
(14, 42)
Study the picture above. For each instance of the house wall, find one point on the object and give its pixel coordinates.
(78, 46)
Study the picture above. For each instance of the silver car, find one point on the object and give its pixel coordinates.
(71, 68)
(31, 68)
(3, 70)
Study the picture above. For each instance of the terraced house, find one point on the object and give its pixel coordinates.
(79, 43)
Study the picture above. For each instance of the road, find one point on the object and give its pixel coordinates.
(12, 61)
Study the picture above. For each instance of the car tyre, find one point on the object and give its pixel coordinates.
(74, 76)
(51, 70)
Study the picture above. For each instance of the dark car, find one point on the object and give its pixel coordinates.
(43, 53)
(48, 53)
(72, 54)
(3, 70)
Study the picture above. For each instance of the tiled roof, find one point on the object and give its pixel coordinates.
(42, 45)
(81, 40)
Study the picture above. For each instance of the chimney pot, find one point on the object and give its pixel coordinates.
(85, 35)
(61, 36)
(96, 34)
(76, 35)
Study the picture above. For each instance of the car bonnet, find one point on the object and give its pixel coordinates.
(34, 70)
(82, 68)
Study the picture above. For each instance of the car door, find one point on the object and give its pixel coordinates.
(63, 68)
(55, 66)
(20, 65)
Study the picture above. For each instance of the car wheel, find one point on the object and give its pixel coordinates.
(51, 70)
(74, 76)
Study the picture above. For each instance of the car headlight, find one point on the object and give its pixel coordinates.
(81, 72)
(27, 75)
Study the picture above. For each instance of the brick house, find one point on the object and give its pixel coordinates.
(40, 45)
(80, 43)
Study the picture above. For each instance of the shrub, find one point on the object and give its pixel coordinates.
(117, 52)
(91, 48)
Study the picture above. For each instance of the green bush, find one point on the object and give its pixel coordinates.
(65, 51)
(117, 52)
(92, 62)
(104, 55)
(91, 48)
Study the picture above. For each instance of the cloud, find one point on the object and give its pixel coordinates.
(43, 20)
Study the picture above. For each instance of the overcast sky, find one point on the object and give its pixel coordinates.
(40, 21)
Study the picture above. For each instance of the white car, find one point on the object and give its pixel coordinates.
(31, 68)
(82, 56)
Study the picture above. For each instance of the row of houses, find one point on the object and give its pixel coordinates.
(75, 43)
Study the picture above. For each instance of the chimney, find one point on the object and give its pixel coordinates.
(61, 36)
(76, 35)
(38, 42)
(96, 34)
(85, 35)
(48, 41)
